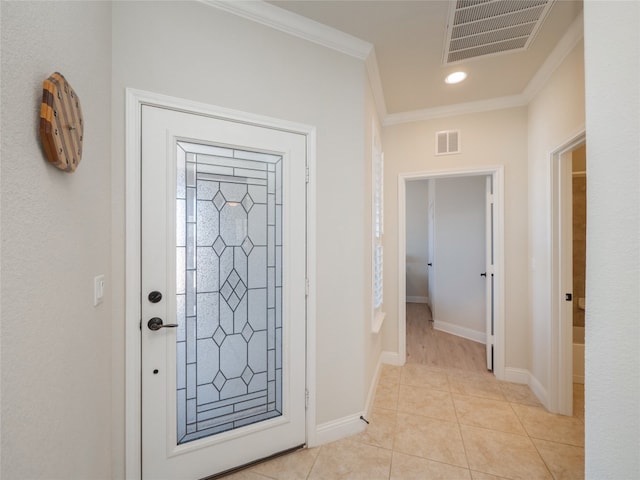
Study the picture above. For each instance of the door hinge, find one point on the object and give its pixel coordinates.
(306, 175)
(306, 287)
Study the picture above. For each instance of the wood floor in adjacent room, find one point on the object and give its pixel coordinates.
(428, 346)
(444, 416)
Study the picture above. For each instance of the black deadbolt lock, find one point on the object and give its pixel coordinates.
(155, 296)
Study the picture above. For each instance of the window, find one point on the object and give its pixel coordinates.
(378, 232)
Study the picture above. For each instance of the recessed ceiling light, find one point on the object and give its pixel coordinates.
(455, 77)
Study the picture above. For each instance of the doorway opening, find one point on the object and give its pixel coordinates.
(568, 260)
(421, 286)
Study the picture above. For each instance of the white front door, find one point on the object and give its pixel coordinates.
(222, 292)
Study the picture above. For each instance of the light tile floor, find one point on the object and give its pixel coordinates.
(443, 416)
(443, 423)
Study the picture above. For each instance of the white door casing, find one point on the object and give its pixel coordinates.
(192, 459)
(489, 257)
(560, 391)
(497, 174)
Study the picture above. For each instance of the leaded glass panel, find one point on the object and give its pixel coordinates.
(229, 289)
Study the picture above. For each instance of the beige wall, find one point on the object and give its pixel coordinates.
(56, 235)
(555, 116)
(221, 59)
(372, 341)
(490, 138)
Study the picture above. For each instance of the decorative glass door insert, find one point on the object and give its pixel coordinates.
(228, 289)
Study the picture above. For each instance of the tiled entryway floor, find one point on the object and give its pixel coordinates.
(443, 416)
(437, 423)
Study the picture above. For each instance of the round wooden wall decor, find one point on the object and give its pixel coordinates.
(61, 125)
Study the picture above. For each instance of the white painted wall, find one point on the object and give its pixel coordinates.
(612, 384)
(417, 258)
(491, 138)
(194, 51)
(460, 256)
(56, 234)
(555, 115)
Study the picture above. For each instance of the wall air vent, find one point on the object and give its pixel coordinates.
(490, 27)
(448, 142)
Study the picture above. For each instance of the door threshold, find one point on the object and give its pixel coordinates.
(255, 462)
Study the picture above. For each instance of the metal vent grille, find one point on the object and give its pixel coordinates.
(489, 27)
(447, 142)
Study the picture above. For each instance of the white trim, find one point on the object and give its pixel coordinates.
(560, 370)
(296, 25)
(417, 299)
(517, 375)
(134, 101)
(565, 46)
(538, 390)
(500, 103)
(524, 377)
(337, 429)
(133, 380)
(391, 358)
(459, 331)
(299, 26)
(497, 172)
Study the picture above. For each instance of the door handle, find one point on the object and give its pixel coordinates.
(155, 324)
(429, 264)
(483, 274)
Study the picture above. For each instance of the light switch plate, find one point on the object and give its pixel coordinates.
(98, 290)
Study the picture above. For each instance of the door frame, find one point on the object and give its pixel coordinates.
(135, 99)
(561, 330)
(497, 172)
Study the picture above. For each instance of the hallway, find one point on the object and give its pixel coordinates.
(442, 416)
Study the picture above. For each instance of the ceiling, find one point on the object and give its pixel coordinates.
(409, 38)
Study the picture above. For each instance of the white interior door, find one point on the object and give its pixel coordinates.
(431, 195)
(223, 293)
(490, 273)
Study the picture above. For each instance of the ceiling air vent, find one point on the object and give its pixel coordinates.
(489, 27)
(447, 142)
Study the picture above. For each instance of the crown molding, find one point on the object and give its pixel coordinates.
(291, 23)
(294, 24)
(371, 64)
(565, 46)
(500, 103)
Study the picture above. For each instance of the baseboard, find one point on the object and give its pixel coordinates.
(337, 429)
(417, 299)
(539, 391)
(391, 358)
(463, 332)
(517, 375)
(520, 375)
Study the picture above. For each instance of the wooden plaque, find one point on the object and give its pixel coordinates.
(61, 125)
